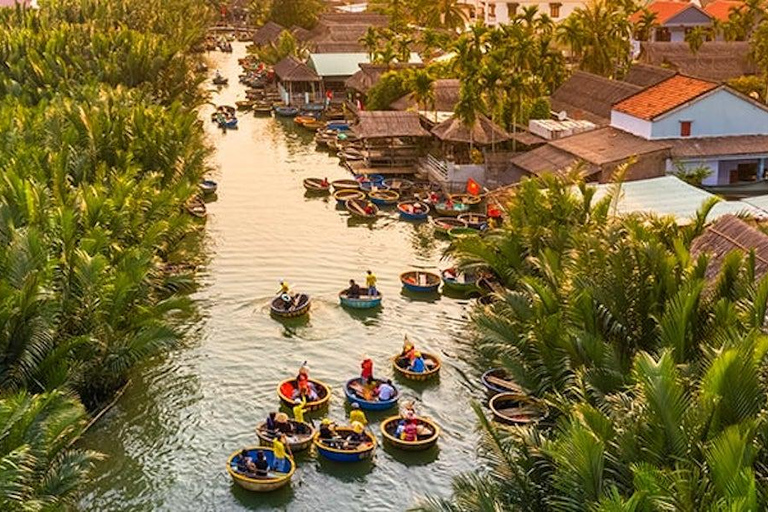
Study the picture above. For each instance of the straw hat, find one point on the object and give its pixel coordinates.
(325, 421)
(281, 417)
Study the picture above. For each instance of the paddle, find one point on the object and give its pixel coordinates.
(503, 383)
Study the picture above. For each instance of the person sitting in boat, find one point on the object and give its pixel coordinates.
(326, 429)
(410, 431)
(449, 204)
(370, 282)
(278, 447)
(356, 415)
(304, 388)
(353, 292)
(409, 411)
(366, 370)
(245, 464)
(386, 391)
(418, 365)
(325, 183)
(271, 427)
(282, 423)
(369, 209)
(298, 409)
(434, 198)
(261, 465)
(357, 436)
(408, 350)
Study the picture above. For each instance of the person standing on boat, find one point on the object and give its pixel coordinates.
(298, 409)
(366, 370)
(370, 282)
(285, 295)
(278, 446)
(356, 415)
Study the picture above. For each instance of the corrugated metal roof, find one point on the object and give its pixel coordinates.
(342, 64)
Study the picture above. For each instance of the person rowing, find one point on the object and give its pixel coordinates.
(353, 292)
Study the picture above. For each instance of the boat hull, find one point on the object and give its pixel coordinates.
(411, 446)
(305, 302)
(368, 405)
(434, 371)
(364, 302)
(433, 282)
(338, 455)
(266, 484)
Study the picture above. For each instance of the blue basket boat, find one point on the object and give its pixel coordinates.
(286, 111)
(420, 281)
(367, 405)
(362, 302)
(384, 197)
(413, 210)
(334, 450)
(274, 479)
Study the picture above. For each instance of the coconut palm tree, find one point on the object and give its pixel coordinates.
(421, 84)
(370, 42)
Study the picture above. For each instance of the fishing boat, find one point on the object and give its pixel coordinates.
(244, 104)
(340, 450)
(475, 220)
(431, 362)
(427, 433)
(317, 185)
(398, 184)
(359, 208)
(420, 281)
(285, 391)
(284, 111)
(356, 392)
(467, 199)
(517, 409)
(361, 302)
(300, 438)
(299, 307)
(413, 210)
(444, 224)
(274, 479)
(208, 187)
(344, 195)
(497, 380)
(445, 209)
(458, 233)
(460, 282)
(384, 197)
(345, 185)
(196, 207)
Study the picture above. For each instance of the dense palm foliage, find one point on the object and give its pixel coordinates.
(654, 375)
(100, 147)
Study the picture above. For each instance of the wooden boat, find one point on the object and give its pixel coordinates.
(344, 195)
(398, 184)
(274, 479)
(357, 208)
(420, 281)
(497, 380)
(355, 387)
(372, 178)
(362, 302)
(517, 409)
(317, 186)
(444, 224)
(313, 125)
(458, 281)
(196, 207)
(424, 440)
(244, 104)
(334, 450)
(345, 185)
(350, 154)
(313, 107)
(383, 197)
(300, 307)
(301, 439)
(208, 186)
(739, 190)
(303, 119)
(285, 393)
(475, 220)
(444, 210)
(431, 362)
(467, 199)
(457, 233)
(284, 111)
(337, 126)
(262, 110)
(413, 210)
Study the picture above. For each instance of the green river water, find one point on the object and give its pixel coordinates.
(167, 439)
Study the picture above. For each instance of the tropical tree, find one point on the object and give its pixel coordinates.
(302, 13)
(644, 27)
(604, 43)
(421, 84)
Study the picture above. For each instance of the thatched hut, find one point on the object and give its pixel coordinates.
(728, 234)
(390, 139)
(297, 82)
(267, 34)
(717, 61)
(590, 97)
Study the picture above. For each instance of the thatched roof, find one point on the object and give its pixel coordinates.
(729, 234)
(716, 60)
(268, 33)
(382, 124)
(484, 132)
(369, 75)
(300, 33)
(445, 90)
(590, 97)
(292, 70)
(341, 32)
(645, 75)
(716, 146)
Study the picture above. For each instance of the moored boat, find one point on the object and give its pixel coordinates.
(262, 110)
(413, 210)
(444, 224)
(244, 104)
(362, 209)
(313, 125)
(303, 119)
(427, 433)
(341, 450)
(344, 195)
(457, 233)
(360, 393)
(195, 206)
(284, 111)
(208, 186)
(398, 184)
(299, 306)
(285, 391)
(384, 197)
(497, 380)
(420, 281)
(432, 367)
(517, 409)
(361, 302)
(272, 481)
(467, 199)
(445, 209)
(345, 185)
(351, 154)
(300, 439)
(475, 220)
(461, 282)
(317, 185)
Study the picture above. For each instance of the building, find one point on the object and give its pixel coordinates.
(646, 75)
(674, 19)
(720, 10)
(336, 68)
(726, 235)
(499, 12)
(297, 83)
(340, 32)
(589, 97)
(446, 95)
(716, 60)
(268, 33)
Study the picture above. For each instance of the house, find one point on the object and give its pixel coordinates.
(340, 32)
(392, 142)
(445, 92)
(267, 34)
(589, 97)
(499, 12)
(674, 19)
(336, 68)
(720, 10)
(726, 235)
(297, 83)
(646, 75)
(716, 60)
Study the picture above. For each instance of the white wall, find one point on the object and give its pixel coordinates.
(502, 14)
(712, 179)
(631, 124)
(461, 173)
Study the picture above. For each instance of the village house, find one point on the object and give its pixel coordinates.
(499, 12)
(674, 20)
(715, 60)
(335, 69)
(297, 83)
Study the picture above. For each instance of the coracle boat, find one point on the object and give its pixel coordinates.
(303, 119)
(357, 208)
(350, 154)
(274, 479)
(457, 233)
(384, 197)
(338, 449)
(286, 389)
(299, 440)
(420, 281)
(497, 380)
(356, 391)
(262, 110)
(317, 186)
(208, 186)
(299, 307)
(431, 362)
(378, 179)
(398, 184)
(362, 302)
(344, 195)
(313, 125)
(196, 207)
(459, 281)
(467, 199)
(413, 210)
(475, 220)
(426, 437)
(444, 224)
(284, 111)
(345, 185)
(517, 409)
(453, 210)
(244, 104)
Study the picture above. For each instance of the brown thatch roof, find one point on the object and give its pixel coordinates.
(645, 75)
(369, 75)
(341, 32)
(292, 70)
(729, 234)
(716, 60)
(268, 33)
(384, 123)
(717, 146)
(484, 132)
(300, 33)
(590, 97)
(445, 90)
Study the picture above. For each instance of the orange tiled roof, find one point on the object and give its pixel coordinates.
(665, 10)
(664, 96)
(720, 9)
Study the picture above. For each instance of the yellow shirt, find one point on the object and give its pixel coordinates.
(358, 415)
(284, 288)
(279, 449)
(370, 280)
(298, 411)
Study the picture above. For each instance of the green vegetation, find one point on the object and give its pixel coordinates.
(302, 13)
(100, 147)
(653, 368)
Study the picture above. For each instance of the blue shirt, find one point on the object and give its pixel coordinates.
(386, 392)
(417, 365)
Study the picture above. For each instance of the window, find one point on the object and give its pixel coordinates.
(492, 10)
(685, 128)
(663, 35)
(554, 10)
(512, 8)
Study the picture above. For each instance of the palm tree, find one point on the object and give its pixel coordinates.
(421, 84)
(645, 25)
(370, 42)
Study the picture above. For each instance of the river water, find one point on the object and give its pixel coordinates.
(167, 439)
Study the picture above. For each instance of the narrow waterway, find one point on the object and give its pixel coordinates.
(168, 438)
